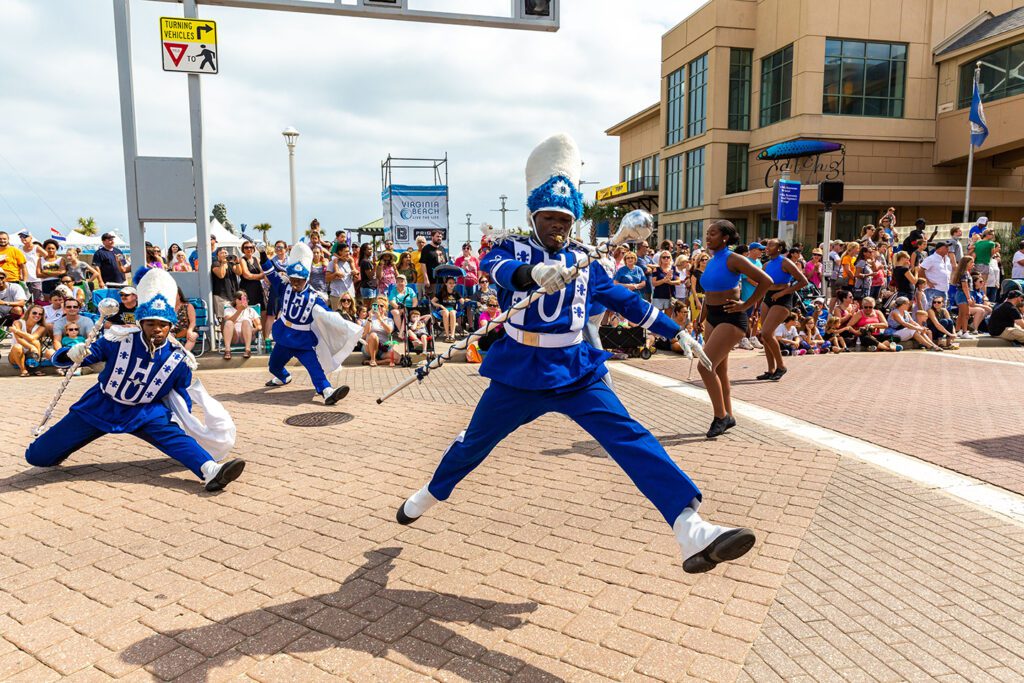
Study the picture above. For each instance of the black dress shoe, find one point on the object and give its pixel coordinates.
(777, 375)
(403, 518)
(718, 427)
(272, 383)
(731, 545)
(227, 474)
(336, 395)
(730, 422)
(766, 375)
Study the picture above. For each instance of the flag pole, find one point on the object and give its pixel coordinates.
(970, 155)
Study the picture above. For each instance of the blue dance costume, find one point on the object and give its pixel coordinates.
(294, 337)
(127, 398)
(542, 365)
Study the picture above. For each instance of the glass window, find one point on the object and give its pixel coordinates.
(695, 178)
(741, 228)
(846, 225)
(627, 173)
(697, 112)
(776, 86)
(657, 170)
(864, 79)
(1002, 75)
(671, 232)
(673, 183)
(675, 131)
(692, 231)
(736, 169)
(739, 88)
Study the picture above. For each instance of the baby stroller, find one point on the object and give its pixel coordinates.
(631, 341)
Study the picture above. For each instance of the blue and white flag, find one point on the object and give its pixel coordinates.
(979, 129)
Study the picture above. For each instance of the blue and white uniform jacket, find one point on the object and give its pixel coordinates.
(543, 348)
(294, 325)
(132, 386)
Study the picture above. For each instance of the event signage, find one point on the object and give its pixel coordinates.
(613, 191)
(787, 200)
(414, 210)
(189, 45)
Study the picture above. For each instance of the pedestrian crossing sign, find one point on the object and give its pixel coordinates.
(189, 45)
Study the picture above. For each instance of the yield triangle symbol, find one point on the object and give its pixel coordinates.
(176, 51)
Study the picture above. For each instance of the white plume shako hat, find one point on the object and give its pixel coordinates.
(300, 260)
(157, 293)
(553, 177)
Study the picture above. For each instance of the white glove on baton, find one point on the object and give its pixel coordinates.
(77, 352)
(691, 347)
(551, 277)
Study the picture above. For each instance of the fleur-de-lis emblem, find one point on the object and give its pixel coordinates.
(124, 354)
(578, 311)
(581, 288)
(119, 371)
(158, 382)
(150, 394)
(115, 384)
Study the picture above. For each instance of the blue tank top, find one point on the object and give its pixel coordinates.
(775, 271)
(716, 276)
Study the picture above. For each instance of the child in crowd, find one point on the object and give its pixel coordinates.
(788, 336)
(810, 338)
(834, 337)
(416, 333)
(72, 335)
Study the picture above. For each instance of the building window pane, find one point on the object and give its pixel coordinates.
(697, 113)
(675, 131)
(627, 173)
(776, 86)
(692, 231)
(739, 88)
(1002, 75)
(864, 79)
(670, 231)
(736, 169)
(673, 183)
(695, 178)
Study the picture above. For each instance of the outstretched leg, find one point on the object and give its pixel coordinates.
(171, 440)
(279, 356)
(61, 440)
(311, 362)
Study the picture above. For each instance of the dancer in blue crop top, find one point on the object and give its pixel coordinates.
(725, 315)
(787, 280)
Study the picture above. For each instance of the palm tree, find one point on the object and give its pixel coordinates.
(598, 213)
(86, 226)
(263, 229)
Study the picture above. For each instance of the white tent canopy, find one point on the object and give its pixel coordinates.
(224, 238)
(77, 239)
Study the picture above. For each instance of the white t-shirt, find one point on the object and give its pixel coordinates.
(53, 315)
(786, 332)
(937, 269)
(13, 292)
(248, 314)
(342, 285)
(1018, 270)
(31, 258)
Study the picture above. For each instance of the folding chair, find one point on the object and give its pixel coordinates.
(202, 328)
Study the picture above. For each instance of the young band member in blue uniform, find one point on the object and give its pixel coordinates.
(542, 365)
(307, 329)
(146, 389)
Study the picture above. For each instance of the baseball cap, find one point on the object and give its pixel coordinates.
(107, 236)
(983, 220)
(920, 221)
(23, 233)
(128, 290)
(819, 300)
(755, 245)
(1013, 294)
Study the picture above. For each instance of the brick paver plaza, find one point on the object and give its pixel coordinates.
(546, 564)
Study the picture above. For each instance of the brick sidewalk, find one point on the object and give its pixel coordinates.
(546, 564)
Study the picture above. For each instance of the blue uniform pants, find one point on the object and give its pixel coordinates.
(596, 408)
(73, 432)
(282, 354)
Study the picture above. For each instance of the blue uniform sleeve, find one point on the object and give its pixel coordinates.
(98, 352)
(501, 263)
(629, 304)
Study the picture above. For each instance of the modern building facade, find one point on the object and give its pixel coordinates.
(889, 79)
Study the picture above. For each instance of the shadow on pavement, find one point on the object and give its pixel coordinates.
(1002, 447)
(592, 448)
(364, 616)
(132, 471)
(275, 396)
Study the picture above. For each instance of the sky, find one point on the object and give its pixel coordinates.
(357, 90)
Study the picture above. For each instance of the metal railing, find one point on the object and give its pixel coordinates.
(647, 183)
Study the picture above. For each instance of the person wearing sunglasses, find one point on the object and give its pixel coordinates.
(28, 334)
(250, 275)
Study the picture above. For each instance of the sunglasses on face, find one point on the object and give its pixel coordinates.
(73, 307)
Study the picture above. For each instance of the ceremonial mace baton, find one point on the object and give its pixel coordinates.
(107, 308)
(635, 226)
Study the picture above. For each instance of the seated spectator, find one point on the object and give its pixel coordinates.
(155, 258)
(904, 327)
(240, 320)
(484, 291)
(126, 310)
(810, 337)
(980, 307)
(834, 337)
(184, 330)
(181, 264)
(940, 323)
(77, 292)
(12, 299)
(72, 315)
(871, 326)
(417, 335)
(448, 301)
(490, 312)
(788, 336)
(1007, 319)
(347, 307)
(30, 340)
(400, 300)
(54, 311)
(376, 331)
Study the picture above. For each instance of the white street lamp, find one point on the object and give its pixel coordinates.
(291, 136)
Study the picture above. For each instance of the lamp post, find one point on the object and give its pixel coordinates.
(291, 136)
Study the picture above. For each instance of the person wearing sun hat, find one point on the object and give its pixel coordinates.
(543, 364)
(307, 329)
(147, 388)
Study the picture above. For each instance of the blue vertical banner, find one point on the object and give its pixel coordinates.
(787, 206)
(979, 128)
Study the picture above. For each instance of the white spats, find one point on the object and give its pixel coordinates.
(419, 503)
(209, 470)
(693, 533)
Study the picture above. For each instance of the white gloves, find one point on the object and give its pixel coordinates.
(77, 352)
(691, 346)
(551, 277)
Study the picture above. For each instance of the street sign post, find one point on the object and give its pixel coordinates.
(189, 45)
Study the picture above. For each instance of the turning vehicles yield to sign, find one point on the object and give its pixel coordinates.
(189, 45)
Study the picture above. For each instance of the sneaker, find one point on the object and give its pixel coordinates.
(766, 375)
(746, 345)
(777, 375)
(899, 347)
(730, 422)
(718, 427)
(756, 343)
(275, 382)
(800, 352)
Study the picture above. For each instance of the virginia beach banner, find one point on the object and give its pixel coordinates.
(413, 210)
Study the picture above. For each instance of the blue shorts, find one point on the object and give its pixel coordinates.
(960, 298)
(367, 292)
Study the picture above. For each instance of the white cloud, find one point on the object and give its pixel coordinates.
(357, 89)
